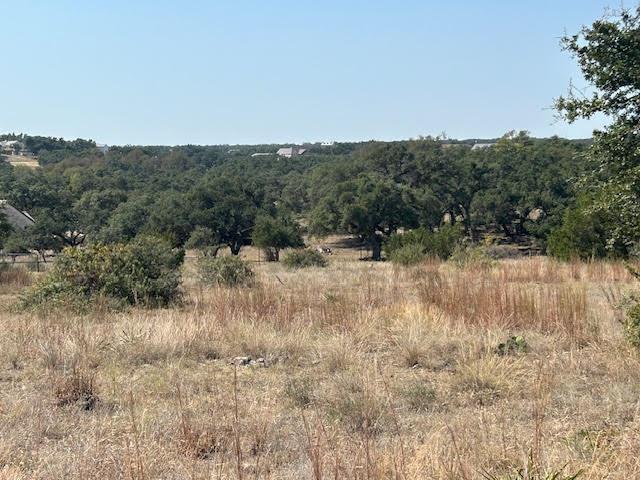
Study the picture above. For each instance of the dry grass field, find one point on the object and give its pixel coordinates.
(358, 371)
(22, 161)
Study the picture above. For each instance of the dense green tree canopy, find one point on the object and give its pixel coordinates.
(370, 190)
(608, 53)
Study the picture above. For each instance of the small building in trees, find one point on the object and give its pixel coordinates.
(11, 147)
(289, 152)
(17, 219)
(482, 146)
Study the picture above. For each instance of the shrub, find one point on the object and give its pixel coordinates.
(304, 259)
(143, 272)
(299, 390)
(419, 396)
(512, 346)
(632, 325)
(204, 240)
(414, 246)
(225, 271)
(406, 255)
(471, 256)
(76, 388)
(583, 235)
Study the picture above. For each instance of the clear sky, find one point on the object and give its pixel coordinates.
(276, 71)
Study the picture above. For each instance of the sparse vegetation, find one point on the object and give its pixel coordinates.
(304, 259)
(225, 271)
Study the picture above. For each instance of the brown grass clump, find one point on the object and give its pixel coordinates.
(486, 302)
(76, 388)
(14, 277)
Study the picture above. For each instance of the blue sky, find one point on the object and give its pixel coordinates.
(211, 72)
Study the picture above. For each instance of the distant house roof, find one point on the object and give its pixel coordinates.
(18, 220)
(104, 148)
(291, 151)
(261, 154)
(10, 144)
(481, 146)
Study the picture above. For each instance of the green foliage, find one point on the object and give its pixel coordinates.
(5, 229)
(632, 320)
(607, 53)
(304, 259)
(276, 233)
(406, 255)
(471, 256)
(419, 395)
(417, 245)
(584, 234)
(227, 207)
(144, 272)
(632, 325)
(370, 190)
(225, 271)
(512, 346)
(204, 240)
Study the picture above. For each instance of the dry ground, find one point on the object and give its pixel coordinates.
(367, 371)
(21, 161)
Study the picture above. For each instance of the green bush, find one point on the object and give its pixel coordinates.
(632, 325)
(583, 235)
(471, 256)
(144, 272)
(440, 244)
(226, 271)
(304, 259)
(406, 255)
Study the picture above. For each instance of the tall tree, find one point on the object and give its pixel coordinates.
(370, 207)
(608, 53)
(275, 233)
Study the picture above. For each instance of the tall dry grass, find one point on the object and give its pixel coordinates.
(366, 371)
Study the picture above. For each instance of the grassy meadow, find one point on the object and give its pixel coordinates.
(360, 370)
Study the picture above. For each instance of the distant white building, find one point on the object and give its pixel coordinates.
(327, 144)
(289, 152)
(102, 147)
(11, 146)
(482, 146)
(261, 154)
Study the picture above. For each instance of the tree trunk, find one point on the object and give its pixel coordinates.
(235, 247)
(270, 254)
(376, 248)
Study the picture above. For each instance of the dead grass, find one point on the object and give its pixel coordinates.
(12, 278)
(370, 372)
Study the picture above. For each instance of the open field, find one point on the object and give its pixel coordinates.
(360, 370)
(21, 161)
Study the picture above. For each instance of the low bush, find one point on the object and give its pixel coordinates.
(475, 256)
(144, 272)
(414, 246)
(304, 259)
(408, 255)
(225, 271)
(632, 325)
(76, 388)
(584, 234)
(419, 395)
(299, 390)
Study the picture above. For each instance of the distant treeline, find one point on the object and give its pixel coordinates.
(369, 189)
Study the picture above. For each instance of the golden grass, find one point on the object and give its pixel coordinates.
(366, 371)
